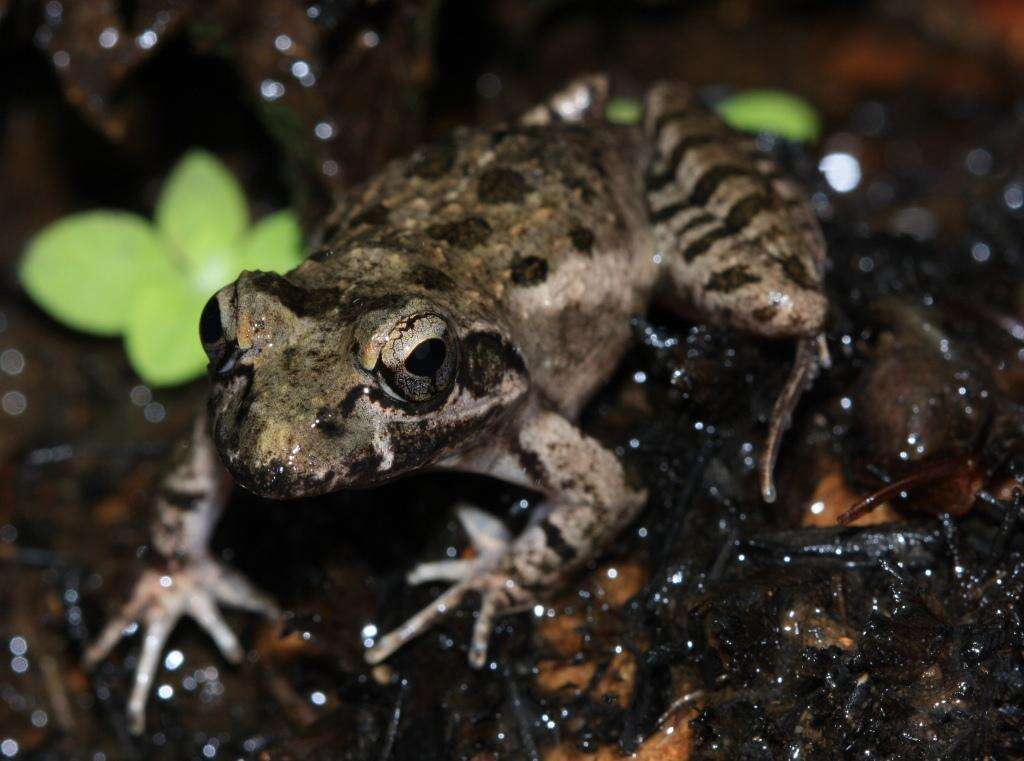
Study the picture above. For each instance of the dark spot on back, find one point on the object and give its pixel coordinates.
(432, 279)
(302, 302)
(464, 233)
(388, 238)
(501, 185)
(766, 313)
(486, 360)
(434, 161)
(582, 239)
(372, 215)
(730, 279)
(529, 270)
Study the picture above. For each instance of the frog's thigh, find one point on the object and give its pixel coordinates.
(738, 243)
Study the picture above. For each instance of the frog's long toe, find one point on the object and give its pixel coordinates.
(490, 540)
(811, 355)
(487, 536)
(159, 600)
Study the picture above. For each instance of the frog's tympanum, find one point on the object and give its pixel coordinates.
(457, 312)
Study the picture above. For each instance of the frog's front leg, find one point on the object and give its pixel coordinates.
(184, 580)
(588, 503)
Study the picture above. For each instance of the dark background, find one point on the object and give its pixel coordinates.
(913, 89)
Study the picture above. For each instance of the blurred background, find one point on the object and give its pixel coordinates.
(917, 175)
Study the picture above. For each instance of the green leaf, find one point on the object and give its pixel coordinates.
(162, 335)
(202, 210)
(85, 269)
(274, 244)
(774, 111)
(624, 111)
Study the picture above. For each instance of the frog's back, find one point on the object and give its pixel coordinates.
(540, 229)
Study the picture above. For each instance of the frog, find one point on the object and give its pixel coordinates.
(457, 311)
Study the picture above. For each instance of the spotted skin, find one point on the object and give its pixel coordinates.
(459, 309)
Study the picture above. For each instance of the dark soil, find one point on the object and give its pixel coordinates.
(715, 626)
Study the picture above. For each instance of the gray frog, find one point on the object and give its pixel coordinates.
(458, 311)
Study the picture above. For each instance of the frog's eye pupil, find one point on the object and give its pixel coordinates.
(210, 329)
(419, 361)
(427, 358)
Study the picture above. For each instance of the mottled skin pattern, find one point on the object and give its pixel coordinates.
(457, 311)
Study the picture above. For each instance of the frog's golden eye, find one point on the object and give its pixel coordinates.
(420, 358)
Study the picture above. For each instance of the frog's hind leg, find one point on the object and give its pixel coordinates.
(737, 241)
(582, 100)
(811, 355)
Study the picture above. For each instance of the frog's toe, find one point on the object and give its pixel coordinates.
(419, 623)
(159, 600)
(441, 570)
(498, 594)
(159, 624)
(811, 355)
(489, 539)
(494, 600)
(482, 574)
(233, 589)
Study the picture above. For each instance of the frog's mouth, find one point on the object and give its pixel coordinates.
(282, 451)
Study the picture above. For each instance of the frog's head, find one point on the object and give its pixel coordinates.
(318, 389)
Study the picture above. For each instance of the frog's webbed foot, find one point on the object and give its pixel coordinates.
(159, 600)
(811, 355)
(483, 574)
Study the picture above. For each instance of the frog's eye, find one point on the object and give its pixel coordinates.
(419, 360)
(217, 344)
(211, 332)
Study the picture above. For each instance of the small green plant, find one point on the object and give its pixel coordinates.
(775, 111)
(624, 111)
(114, 273)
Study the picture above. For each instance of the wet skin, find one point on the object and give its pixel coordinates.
(457, 311)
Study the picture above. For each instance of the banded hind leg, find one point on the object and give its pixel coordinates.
(739, 242)
(183, 579)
